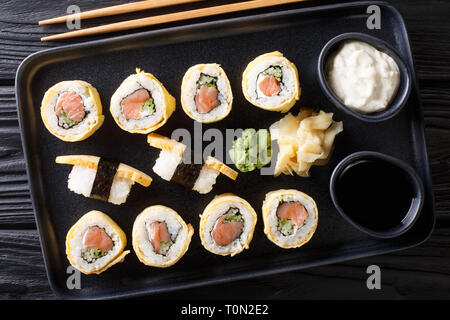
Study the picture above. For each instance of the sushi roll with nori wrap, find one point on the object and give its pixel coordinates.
(160, 236)
(95, 243)
(271, 82)
(103, 179)
(171, 167)
(290, 218)
(72, 110)
(141, 104)
(227, 225)
(206, 93)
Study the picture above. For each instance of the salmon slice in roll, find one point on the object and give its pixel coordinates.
(95, 243)
(290, 218)
(227, 225)
(141, 104)
(160, 236)
(271, 82)
(72, 110)
(206, 94)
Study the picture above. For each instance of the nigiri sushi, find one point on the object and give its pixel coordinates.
(103, 179)
(170, 166)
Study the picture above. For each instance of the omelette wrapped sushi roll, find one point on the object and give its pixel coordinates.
(206, 93)
(171, 167)
(290, 218)
(160, 236)
(227, 225)
(72, 110)
(95, 243)
(141, 104)
(271, 82)
(103, 179)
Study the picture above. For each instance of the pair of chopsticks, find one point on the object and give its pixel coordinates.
(154, 20)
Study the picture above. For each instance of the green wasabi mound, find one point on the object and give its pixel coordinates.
(252, 150)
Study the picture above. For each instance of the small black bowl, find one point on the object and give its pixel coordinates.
(403, 91)
(411, 176)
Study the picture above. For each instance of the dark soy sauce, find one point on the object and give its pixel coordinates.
(374, 193)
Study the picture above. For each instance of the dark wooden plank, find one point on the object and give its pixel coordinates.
(15, 204)
(427, 22)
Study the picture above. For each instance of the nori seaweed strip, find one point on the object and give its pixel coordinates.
(106, 170)
(186, 174)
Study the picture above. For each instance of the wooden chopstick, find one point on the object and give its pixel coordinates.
(118, 9)
(171, 17)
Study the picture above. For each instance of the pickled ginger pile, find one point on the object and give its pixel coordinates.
(304, 140)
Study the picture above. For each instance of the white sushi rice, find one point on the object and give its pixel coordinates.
(178, 233)
(288, 83)
(190, 91)
(89, 108)
(206, 180)
(129, 86)
(239, 243)
(167, 163)
(81, 180)
(299, 234)
(77, 245)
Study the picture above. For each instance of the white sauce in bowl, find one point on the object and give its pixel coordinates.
(362, 77)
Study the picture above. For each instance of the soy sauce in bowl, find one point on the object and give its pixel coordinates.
(378, 194)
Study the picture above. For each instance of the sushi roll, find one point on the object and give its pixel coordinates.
(197, 177)
(227, 225)
(103, 179)
(72, 110)
(271, 82)
(160, 236)
(206, 93)
(95, 243)
(290, 218)
(141, 104)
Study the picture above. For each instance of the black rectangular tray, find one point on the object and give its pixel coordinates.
(299, 34)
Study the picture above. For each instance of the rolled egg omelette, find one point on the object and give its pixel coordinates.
(95, 243)
(141, 104)
(271, 82)
(160, 236)
(72, 110)
(290, 217)
(227, 225)
(206, 94)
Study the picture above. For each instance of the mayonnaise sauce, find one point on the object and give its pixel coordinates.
(362, 77)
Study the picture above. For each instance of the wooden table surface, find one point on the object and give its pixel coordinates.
(420, 272)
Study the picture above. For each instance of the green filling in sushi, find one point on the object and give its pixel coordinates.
(206, 80)
(92, 254)
(274, 71)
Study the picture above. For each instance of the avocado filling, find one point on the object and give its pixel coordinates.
(286, 226)
(92, 254)
(233, 214)
(206, 80)
(253, 150)
(65, 122)
(274, 71)
(149, 107)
